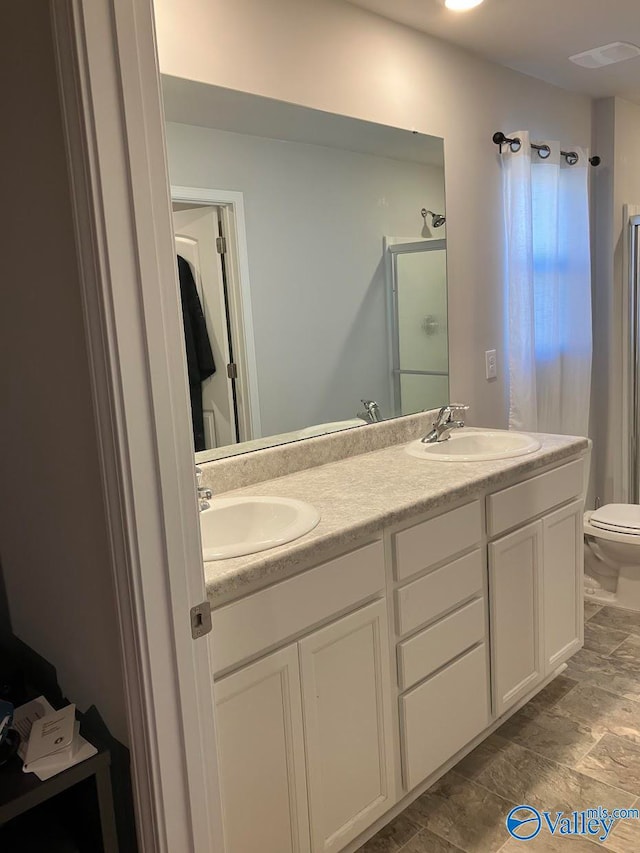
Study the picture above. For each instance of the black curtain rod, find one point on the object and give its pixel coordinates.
(543, 150)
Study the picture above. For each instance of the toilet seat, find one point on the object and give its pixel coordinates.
(617, 518)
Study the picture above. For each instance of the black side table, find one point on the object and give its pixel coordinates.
(20, 792)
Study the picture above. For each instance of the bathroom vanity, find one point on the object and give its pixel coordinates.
(354, 666)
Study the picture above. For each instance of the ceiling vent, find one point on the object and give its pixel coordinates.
(618, 51)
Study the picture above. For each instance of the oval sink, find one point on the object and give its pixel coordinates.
(234, 527)
(476, 446)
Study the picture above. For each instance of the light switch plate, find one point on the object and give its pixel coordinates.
(491, 366)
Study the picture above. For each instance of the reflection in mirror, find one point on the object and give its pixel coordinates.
(313, 267)
(419, 325)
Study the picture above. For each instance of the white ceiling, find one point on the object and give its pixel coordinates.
(535, 37)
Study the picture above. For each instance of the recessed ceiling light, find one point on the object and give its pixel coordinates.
(461, 5)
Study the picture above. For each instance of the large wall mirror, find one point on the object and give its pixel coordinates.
(312, 258)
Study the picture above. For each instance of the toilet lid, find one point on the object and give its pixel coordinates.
(620, 518)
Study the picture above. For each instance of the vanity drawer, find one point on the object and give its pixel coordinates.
(519, 503)
(441, 643)
(245, 628)
(432, 541)
(442, 715)
(425, 599)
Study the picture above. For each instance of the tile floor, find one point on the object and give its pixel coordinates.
(575, 745)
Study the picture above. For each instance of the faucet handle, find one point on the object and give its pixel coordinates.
(204, 492)
(458, 407)
(450, 410)
(371, 411)
(449, 413)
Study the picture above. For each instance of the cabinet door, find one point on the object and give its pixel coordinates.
(346, 695)
(261, 757)
(562, 586)
(515, 580)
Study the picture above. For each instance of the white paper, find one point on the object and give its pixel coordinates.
(25, 716)
(79, 749)
(50, 735)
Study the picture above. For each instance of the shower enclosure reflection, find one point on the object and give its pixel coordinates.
(419, 334)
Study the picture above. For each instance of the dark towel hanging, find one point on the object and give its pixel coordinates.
(200, 364)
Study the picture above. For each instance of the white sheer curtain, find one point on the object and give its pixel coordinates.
(548, 276)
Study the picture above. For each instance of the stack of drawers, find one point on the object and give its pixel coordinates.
(442, 652)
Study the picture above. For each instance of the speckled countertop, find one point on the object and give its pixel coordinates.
(358, 497)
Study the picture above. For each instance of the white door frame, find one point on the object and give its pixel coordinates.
(114, 126)
(241, 313)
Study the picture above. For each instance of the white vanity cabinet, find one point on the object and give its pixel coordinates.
(535, 581)
(261, 756)
(515, 581)
(562, 584)
(346, 696)
(305, 734)
(348, 688)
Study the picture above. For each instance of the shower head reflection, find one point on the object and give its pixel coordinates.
(437, 219)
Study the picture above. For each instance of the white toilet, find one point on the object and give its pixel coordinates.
(612, 555)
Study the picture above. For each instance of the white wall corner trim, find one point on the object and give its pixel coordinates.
(110, 95)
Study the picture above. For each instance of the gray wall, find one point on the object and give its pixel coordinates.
(53, 536)
(5, 616)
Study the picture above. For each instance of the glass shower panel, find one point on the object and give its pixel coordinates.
(418, 392)
(422, 311)
(422, 365)
(632, 465)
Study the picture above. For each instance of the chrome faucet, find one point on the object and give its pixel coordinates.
(371, 412)
(204, 494)
(445, 422)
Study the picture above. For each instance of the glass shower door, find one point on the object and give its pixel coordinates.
(420, 340)
(633, 369)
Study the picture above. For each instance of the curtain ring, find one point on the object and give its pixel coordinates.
(500, 139)
(571, 157)
(544, 151)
